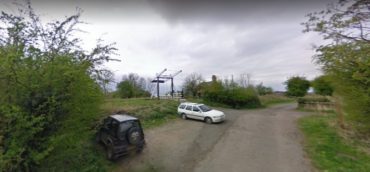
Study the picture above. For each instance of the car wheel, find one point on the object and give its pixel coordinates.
(110, 153)
(134, 135)
(208, 120)
(183, 116)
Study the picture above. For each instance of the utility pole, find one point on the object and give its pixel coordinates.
(158, 88)
(172, 91)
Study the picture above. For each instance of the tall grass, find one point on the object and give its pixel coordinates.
(328, 150)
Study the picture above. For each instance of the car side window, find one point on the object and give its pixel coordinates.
(196, 109)
(188, 107)
(182, 106)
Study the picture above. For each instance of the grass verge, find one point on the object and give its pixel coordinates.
(151, 112)
(328, 150)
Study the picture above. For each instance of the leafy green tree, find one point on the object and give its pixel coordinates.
(132, 85)
(346, 58)
(321, 85)
(297, 86)
(45, 79)
(263, 90)
(125, 89)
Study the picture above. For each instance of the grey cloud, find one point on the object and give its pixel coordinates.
(209, 37)
(231, 11)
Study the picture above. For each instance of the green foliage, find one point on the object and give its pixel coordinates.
(125, 89)
(348, 66)
(321, 86)
(263, 90)
(46, 79)
(346, 58)
(297, 86)
(231, 95)
(327, 150)
(132, 86)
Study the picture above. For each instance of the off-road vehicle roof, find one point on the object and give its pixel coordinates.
(123, 117)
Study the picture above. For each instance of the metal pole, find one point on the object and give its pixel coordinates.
(158, 88)
(172, 87)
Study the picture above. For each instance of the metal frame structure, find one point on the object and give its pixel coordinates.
(161, 77)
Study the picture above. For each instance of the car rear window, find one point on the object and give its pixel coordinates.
(188, 107)
(182, 106)
(125, 126)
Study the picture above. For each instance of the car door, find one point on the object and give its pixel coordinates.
(189, 111)
(197, 113)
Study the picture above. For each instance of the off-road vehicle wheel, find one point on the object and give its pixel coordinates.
(134, 135)
(208, 120)
(183, 116)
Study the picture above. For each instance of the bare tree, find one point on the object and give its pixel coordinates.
(191, 84)
(245, 80)
(105, 77)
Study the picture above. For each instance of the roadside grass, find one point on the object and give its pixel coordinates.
(151, 112)
(327, 149)
(76, 149)
(272, 99)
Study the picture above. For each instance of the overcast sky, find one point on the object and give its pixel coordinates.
(210, 37)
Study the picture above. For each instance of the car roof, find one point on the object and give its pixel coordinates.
(189, 103)
(122, 117)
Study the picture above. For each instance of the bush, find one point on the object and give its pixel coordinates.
(263, 90)
(236, 97)
(132, 85)
(322, 86)
(345, 57)
(297, 86)
(46, 79)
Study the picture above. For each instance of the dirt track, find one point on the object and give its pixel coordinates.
(250, 140)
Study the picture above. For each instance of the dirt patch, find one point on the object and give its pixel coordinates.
(249, 140)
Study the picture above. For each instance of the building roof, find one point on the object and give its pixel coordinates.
(123, 117)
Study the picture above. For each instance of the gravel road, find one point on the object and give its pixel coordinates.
(260, 140)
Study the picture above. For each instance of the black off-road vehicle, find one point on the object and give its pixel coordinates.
(121, 134)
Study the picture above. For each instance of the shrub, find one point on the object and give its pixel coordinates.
(322, 86)
(46, 79)
(297, 86)
(263, 90)
(236, 97)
